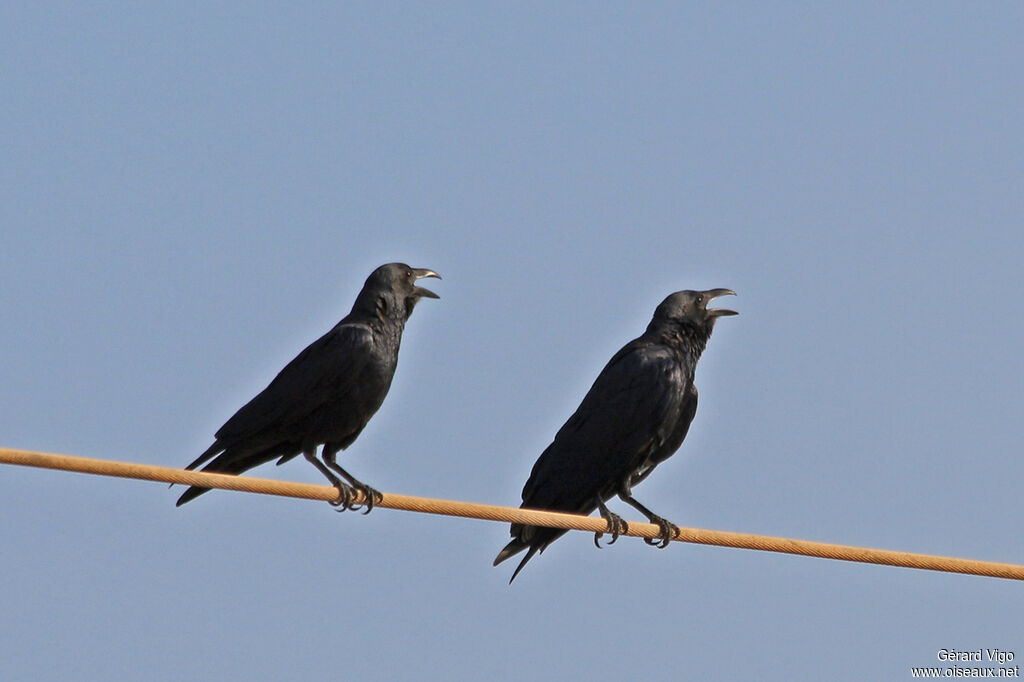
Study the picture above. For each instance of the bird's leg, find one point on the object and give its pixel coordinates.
(345, 493)
(668, 529)
(372, 496)
(616, 526)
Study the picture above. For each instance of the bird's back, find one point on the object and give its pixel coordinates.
(328, 392)
(629, 412)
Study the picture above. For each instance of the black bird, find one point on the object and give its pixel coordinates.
(634, 417)
(327, 394)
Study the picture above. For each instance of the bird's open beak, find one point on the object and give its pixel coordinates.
(712, 294)
(420, 274)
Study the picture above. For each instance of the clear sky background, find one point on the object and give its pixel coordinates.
(190, 193)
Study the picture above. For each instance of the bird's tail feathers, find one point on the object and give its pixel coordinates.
(231, 460)
(513, 548)
(190, 494)
(209, 454)
(529, 555)
(195, 491)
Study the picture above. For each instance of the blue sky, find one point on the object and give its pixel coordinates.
(190, 194)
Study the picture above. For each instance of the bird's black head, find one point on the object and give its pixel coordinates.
(690, 308)
(401, 279)
(391, 289)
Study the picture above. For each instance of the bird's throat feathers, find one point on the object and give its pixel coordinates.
(390, 318)
(385, 316)
(686, 338)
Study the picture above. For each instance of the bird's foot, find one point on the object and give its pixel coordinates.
(344, 499)
(371, 497)
(616, 526)
(668, 531)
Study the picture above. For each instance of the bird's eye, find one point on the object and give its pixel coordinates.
(408, 273)
(700, 299)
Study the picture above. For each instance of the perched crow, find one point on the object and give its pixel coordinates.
(327, 394)
(635, 416)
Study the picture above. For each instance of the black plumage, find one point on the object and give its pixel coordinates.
(634, 417)
(327, 394)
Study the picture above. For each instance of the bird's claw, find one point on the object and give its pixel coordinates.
(371, 497)
(344, 499)
(668, 531)
(616, 526)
